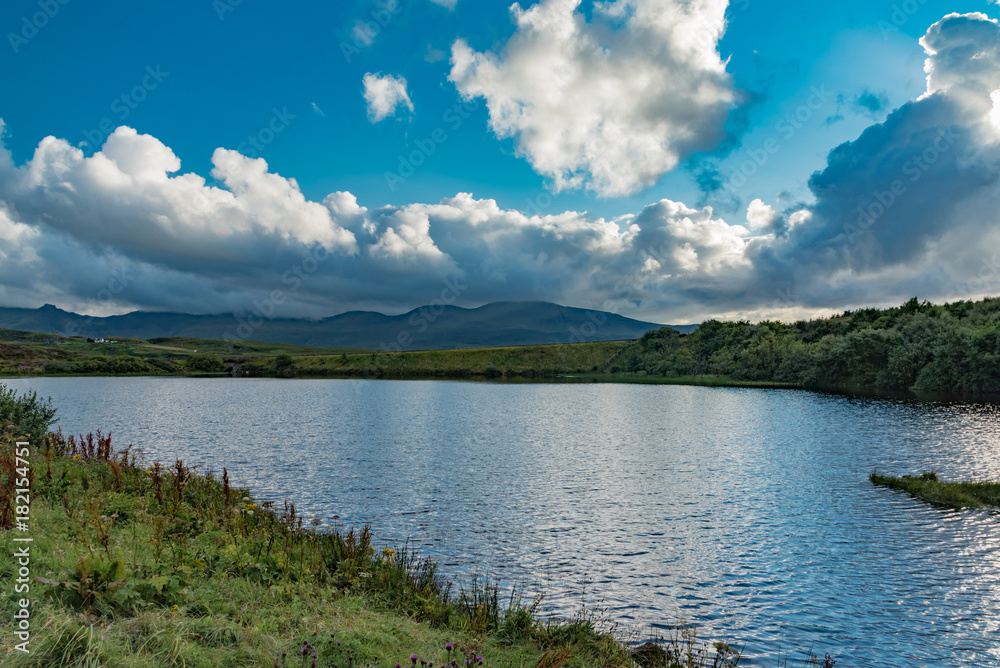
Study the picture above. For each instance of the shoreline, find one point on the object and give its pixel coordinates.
(581, 378)
(146, 565)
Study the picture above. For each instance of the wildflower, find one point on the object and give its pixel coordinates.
(448, 646)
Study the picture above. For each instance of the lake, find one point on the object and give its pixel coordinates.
(746, 512)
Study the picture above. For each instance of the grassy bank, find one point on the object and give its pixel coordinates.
(927, 487)
(53, 355)
(518, 361)
(135, 565)
(703, 380)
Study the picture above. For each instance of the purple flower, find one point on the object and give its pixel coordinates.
(448, 647)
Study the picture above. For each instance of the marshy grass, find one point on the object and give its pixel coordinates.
(135, 565)
(927, 487)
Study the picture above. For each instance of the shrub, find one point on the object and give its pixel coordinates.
(204, 362)
(29, 415)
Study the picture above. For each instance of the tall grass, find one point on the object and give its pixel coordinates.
(927, 487)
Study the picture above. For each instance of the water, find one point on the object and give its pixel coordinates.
(746, 512)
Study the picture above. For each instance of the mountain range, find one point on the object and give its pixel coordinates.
(425, 328)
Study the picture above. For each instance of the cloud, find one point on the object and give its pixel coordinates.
(608, 105)
(385, 94)
(73, 223)
(449, 4)
(761, 216)
(908, 207)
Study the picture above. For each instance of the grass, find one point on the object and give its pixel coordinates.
(927, 487)
(701, 380)
(36, 353)
(511, 361)
(136, 565)
(27, 353)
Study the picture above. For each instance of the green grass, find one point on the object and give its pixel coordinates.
(513, 361)
(159, 566)
(168, 356)
(32, 353)
(927, 487)
(702, 380)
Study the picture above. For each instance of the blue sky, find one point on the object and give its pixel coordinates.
(600, 132)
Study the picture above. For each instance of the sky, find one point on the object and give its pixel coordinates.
(668, 160)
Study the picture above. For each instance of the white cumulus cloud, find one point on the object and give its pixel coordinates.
(609, 105)
(908, 207)
(385, 94)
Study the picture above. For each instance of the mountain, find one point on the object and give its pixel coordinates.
(424, 328)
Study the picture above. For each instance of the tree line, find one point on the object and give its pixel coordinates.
(917, 346)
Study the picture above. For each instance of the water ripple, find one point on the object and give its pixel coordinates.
(747, 512)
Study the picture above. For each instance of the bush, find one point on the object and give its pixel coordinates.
(30, 415)
(209, 362)
(163, 365)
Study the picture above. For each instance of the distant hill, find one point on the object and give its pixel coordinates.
(425, 328)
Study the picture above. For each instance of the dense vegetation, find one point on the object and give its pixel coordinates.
(927, 487)
(918, 346)
(26, 414)
(134, 565)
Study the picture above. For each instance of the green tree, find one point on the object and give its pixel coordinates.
(209, 362)
(30, 415)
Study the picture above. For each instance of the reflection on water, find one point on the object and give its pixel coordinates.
(747, 512)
